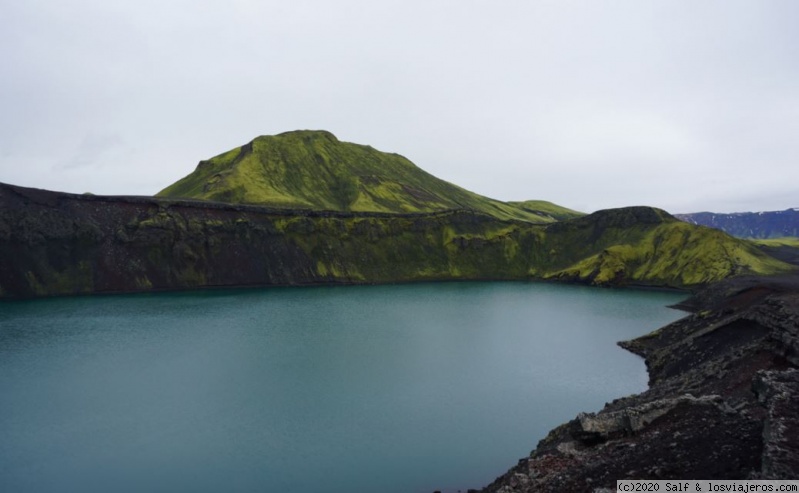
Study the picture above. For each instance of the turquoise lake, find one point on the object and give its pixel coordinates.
(397, 389)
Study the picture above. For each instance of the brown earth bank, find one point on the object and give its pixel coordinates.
(722, 402)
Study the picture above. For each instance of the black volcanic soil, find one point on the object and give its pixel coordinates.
(722, 402)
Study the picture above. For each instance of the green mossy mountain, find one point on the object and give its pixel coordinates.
(648, 245)
(314, 170)
(55, 243)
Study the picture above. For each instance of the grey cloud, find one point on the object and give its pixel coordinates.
(589, 104)
(93, 151)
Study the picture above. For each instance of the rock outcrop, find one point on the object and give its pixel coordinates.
(778, 391)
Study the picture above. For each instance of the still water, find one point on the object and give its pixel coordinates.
(406, 388)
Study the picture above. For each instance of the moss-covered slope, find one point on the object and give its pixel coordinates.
(785, 249)
(54, 243)
(789, 241)
(314, 170)
(546, 208)
(647, 245)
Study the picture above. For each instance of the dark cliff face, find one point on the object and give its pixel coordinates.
(62, 244)
(54, 243)
(776, 224)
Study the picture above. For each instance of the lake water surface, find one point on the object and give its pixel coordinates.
(404, 388)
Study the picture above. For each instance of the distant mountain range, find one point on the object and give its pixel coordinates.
(758, 225)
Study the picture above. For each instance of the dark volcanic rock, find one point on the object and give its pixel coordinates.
(55, 243)
(779, 392)
(722, 402)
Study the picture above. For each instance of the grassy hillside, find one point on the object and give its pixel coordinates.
(790, 241)
(785, 249)
(314, 170)
(546, 208)
(646, 245)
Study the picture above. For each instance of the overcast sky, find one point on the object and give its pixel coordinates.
(685, 105)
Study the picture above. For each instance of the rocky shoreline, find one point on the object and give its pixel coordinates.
(724, 390)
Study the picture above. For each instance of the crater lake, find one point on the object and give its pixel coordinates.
(395, 388)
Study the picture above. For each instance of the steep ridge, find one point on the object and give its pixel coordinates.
(55, 243)
(314, 170)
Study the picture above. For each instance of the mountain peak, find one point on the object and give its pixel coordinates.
(619, 218)
(632, 215)
(312, 169)
(307, 134)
